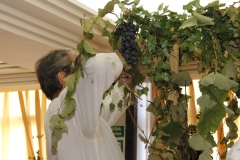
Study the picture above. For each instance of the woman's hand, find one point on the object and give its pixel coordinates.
(124, 77)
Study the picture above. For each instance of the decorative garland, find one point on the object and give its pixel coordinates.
(208, 35)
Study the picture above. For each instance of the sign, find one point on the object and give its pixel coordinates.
(118, 131)
(120, 142)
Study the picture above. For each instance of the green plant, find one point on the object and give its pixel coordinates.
(208, 35)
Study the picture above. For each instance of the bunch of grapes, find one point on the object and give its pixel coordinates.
(128, 49)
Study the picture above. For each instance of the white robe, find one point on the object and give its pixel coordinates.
(89, 136)
(234, 152)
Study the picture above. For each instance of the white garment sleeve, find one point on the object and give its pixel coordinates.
(117, 94)
(100, 72)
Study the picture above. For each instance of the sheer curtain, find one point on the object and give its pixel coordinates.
(21, 124)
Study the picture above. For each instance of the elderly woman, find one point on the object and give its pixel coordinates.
(89, 136)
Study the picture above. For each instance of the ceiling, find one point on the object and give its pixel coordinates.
(30, 28)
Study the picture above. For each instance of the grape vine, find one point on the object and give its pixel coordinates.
(208, 35)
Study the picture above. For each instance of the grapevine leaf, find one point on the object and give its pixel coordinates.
(83, 61)
(88, 35)
(136, 76)
(232, 135)
(189, 23)
(216, 94)
(108, 8)
(168, 156)
(165, 9)
(154, 156)
(205, 102)
(87, 25)
(160, 7)
(205, 156)
(70, 81)
(88, 48)
(69, 108)
(181, 78)
(229, 70)
(142, 138)
(173, 129)
(164, 65)
(136, 2)
(112, 106)
(146, 60)
(80, 46)
(220, 81)
(99, 21)
(230, 144)
(203, 19)
(210, 119)
(198, 142)
(159, 144)
(179, 112)
(57, 133)
(153, 107)
(212, 4)
(56, 122)
(210, 139)
(231, 125)
(119, 104)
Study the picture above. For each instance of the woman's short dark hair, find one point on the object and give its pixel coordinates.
(47, 69)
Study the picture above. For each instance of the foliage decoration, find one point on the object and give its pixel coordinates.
(208, 35)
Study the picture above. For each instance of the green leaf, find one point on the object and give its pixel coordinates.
(108, 8)
(83, 61)
(210, 139)
(179, 112)
(212, 4)
(154, 156)
(99, 21)
(173, 129)
(203, 19)
(181, 78)
(210, 119)
(160, 7)
(88, 48)
(198, 143)
(232, 135)
(142, 91)
(159, 144)
(56, 135)
(119, 104)
(230, 144)
(88, 35)
(87, 25)
(142, 138)
(163, 65)
(231, 125)
(165, 9)
(189, 23)
(69, 108)
(229, 70)
(146, 60)
(220, 81)
(168, 156)
(71, 81)
(216, 94)
(56, 122)
(205, 156)
(153, 107)
(112, 106)
(136, 2)
(205, 102)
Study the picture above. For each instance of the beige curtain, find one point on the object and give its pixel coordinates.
(21, 125)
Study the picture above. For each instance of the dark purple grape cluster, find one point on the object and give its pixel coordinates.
(128, 49)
